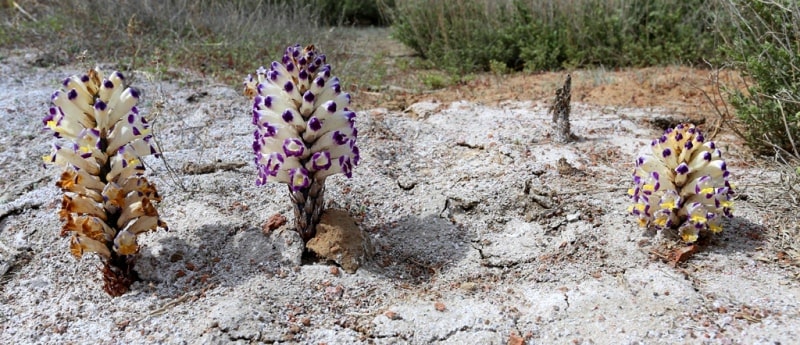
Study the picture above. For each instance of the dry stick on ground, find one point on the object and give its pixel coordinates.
(560, 110)
(22, 10)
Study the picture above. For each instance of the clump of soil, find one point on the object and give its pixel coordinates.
(339, 239)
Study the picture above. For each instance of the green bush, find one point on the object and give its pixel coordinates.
(217, 37)
(551, 34)
(765, 47)
(460, 35)
(353, 12)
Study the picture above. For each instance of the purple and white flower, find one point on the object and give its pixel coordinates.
(683, 185)
(107, 200)
(305, 130)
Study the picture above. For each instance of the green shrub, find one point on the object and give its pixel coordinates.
(765, 48)
(551, 34)
(353, 12)
(460, 35)
(217, 37)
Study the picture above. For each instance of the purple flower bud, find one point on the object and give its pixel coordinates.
(356, 155)
(287, 116)
(339, 138)
(682, 169)
(269, 129)
(347, 167)
(308, 97)
(314, 124)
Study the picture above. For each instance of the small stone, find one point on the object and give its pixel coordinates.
(334, 270)
(390, 315)
(573, 217)
(469, 286)
(515, 339)
(334, 292)
(178, 256)
(439, 306)
(294, 329)
(275, 221)
(306, 321)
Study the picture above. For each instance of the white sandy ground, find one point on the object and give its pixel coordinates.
(462, 202)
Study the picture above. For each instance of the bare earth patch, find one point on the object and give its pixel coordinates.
(484, 231)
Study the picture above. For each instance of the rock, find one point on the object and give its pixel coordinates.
(283, 245)
(7, 257)
(573, 217)
(288, 244)
(521, 242)
(340, 240)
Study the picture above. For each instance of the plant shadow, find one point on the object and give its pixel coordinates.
(224, 254)
(414, 250)
(739, 236)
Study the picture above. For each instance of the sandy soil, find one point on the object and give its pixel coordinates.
(483, 230)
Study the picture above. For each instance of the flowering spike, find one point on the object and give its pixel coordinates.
(304, 129)
(107, 201)
(683, 185)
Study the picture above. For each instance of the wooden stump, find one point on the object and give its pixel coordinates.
(560, 110)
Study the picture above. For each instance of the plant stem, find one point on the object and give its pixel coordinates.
(308, 204)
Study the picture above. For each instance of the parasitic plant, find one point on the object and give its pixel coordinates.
(107, 201)
(305, 131)
(683, 185)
